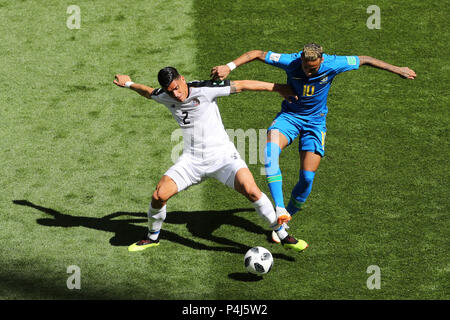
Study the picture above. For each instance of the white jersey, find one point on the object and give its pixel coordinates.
(198, 116)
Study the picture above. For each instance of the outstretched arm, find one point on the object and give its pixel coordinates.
(122, 80)
(221, 72)
(403, 72)
(284, 90)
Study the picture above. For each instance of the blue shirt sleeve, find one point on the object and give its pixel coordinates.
(345, 63)
(281, 60)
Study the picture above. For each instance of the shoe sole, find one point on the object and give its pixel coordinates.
(275, 237)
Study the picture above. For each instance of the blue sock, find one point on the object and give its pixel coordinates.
(273, 173)
(301, 191)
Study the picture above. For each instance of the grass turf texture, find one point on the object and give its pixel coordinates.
(81, 157)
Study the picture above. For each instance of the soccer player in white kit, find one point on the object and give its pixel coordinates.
(208, 151)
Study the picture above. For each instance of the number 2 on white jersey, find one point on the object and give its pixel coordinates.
(185, 119)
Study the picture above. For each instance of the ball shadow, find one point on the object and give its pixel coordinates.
(245, 277)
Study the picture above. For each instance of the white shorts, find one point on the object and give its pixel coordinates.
(189, 170)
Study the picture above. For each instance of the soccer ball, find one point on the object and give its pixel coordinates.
(258, 260)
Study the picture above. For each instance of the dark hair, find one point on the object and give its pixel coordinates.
(167, 75)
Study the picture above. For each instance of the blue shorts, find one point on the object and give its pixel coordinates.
(312, 132)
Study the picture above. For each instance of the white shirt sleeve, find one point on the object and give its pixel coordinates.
(158, 95)
(217, 89)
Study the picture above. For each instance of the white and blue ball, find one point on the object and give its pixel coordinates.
(258, 260)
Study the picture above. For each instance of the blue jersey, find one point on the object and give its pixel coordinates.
(312, 92)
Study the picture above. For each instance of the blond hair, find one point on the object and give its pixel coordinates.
(312, 51)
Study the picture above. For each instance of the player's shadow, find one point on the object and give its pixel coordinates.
(200, 224)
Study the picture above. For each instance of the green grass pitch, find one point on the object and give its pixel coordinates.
(80, 157)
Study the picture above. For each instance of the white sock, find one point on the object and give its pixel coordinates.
(156, 218)
(281, 233)
(265, 210)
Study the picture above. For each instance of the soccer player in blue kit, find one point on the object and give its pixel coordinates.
(310, 72)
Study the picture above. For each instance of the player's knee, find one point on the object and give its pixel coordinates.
(159, 198)
(252, 192)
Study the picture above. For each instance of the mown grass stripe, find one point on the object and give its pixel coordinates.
(363, 207)
(76, 146)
